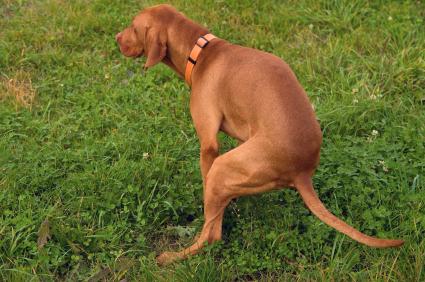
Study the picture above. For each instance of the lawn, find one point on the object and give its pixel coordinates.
(99, 161)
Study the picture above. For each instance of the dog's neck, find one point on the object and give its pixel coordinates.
(182, 36)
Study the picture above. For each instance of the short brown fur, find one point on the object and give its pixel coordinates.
(252, 96)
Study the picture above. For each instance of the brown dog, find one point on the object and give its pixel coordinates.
(252, 96)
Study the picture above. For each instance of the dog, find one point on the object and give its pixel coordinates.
(252, 96)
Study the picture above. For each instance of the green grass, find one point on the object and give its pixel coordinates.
(110, 158)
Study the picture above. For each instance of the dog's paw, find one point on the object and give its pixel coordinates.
(167, 257)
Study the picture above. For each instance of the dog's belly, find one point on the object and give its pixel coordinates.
(241, 134)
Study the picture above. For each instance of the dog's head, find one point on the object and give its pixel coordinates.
(147, 35)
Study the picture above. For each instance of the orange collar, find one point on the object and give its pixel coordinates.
(200, 44)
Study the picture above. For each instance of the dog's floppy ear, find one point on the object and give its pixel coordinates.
(155, 46)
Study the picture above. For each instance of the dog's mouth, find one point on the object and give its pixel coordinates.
(140, 54)
(130, 52)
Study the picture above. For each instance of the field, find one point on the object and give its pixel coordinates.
(99, 161)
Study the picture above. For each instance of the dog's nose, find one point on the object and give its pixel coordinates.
(118, 37)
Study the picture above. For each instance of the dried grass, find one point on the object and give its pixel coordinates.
(19, 88)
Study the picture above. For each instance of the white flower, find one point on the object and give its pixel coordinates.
(355, 101)
(375, 132)
(384, 167)
(145, 155)
(373, 97)
(390, 18)
(310, 26)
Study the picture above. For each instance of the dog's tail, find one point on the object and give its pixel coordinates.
(305, 188)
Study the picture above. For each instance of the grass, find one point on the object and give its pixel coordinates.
(99, 163)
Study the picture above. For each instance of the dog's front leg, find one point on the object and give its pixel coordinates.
(209, 152)
(207, 127)
(207, 121)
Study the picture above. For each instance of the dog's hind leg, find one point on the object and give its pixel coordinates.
(242, 171)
